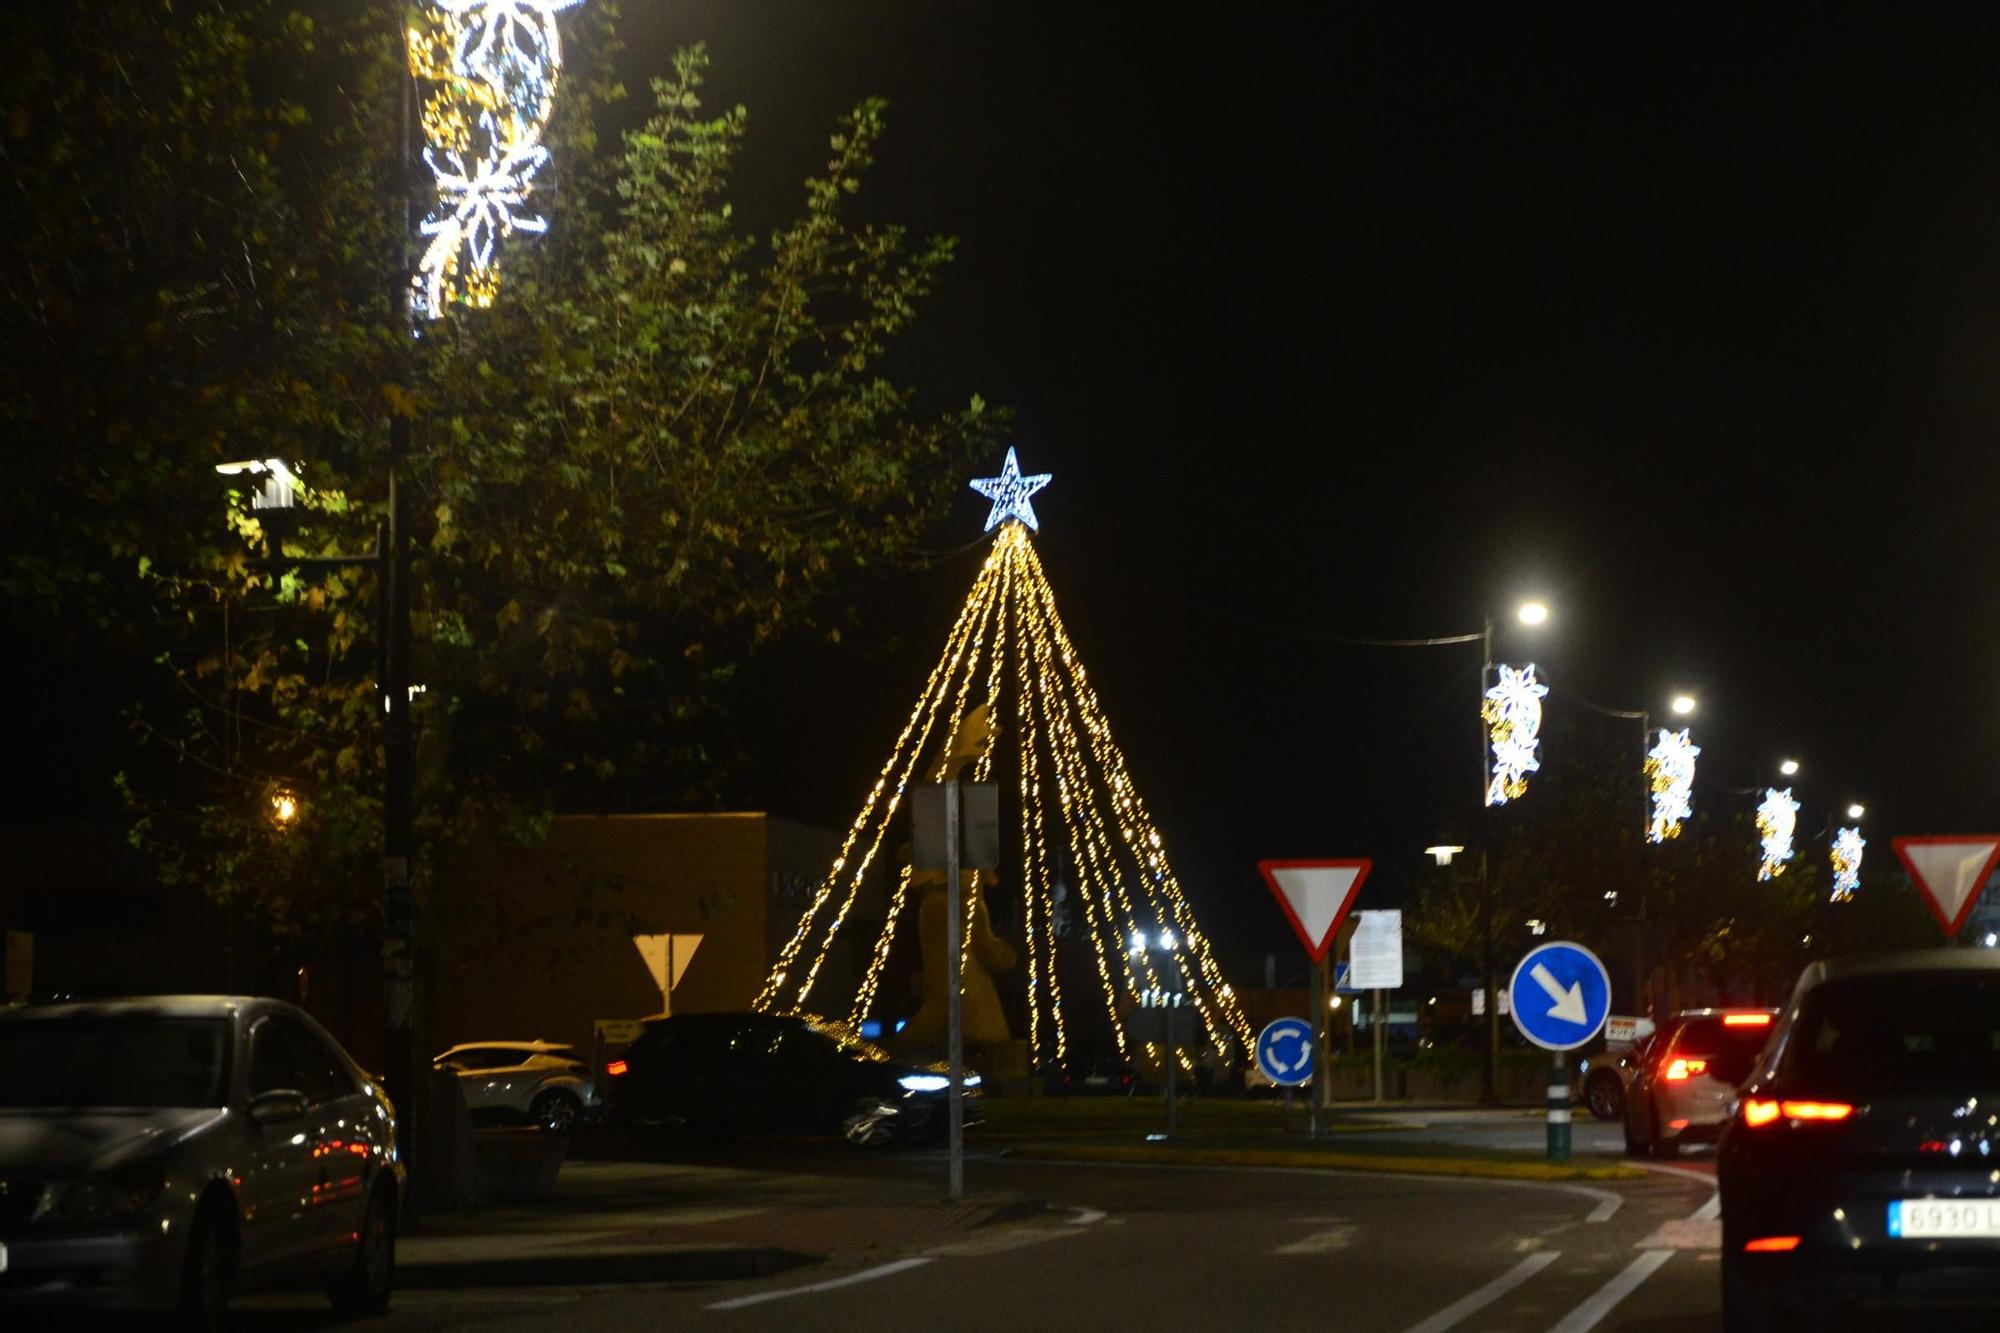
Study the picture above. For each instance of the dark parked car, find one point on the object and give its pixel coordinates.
(156, 1152)
(1863, 1162)
(1684, 1081)
(716, 1076)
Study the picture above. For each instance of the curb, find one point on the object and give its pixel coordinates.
(1324, 1161)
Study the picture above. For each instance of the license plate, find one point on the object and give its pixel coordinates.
(1936, 1219)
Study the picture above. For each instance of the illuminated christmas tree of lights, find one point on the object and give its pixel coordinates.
(1670, 774)
(1084, 831)
(1848, 845)
(1777, 817)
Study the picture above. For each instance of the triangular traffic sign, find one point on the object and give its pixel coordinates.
(1950, 871)
(1315, 896)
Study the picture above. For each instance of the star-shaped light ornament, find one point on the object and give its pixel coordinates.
(1010, 492)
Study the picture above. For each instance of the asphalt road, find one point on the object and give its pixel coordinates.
(1148, 1248)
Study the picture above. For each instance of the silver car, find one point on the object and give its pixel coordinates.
(155, 1151)
(537, 1082)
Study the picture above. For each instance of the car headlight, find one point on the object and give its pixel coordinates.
(122, 1194)
(924, 1082)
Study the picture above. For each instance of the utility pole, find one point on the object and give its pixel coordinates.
(1489, 1082)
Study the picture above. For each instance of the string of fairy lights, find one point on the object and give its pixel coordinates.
(1085, 834)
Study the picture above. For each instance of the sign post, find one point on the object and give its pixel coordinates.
(1950, 872)
(1315, 896)
(1561, 996)
(1375, 964)
(955, 822)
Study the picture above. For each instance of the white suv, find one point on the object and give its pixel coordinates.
(541, 1082)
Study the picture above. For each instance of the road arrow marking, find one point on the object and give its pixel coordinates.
(1568, 1005)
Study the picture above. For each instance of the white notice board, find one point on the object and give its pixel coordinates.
(1375, 954)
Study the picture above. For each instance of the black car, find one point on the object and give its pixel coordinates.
(1863, 1161)
(717, 1076)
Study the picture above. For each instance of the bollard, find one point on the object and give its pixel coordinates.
(1559, 1106)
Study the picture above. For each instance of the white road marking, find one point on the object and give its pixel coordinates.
(1685, 1233)
(865, 1275)
(1605, 1299)
(1322, 1242)
(1466, 1306)
(999, 1242)
(1086, 1217)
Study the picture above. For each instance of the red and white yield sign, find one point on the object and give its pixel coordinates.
(1315, 896)
(1951, 871)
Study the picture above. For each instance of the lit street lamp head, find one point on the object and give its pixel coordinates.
(1789, 767)
(1443, 852)
(1682, 705)
(1533, 613)
(1856, 810)
(284, 808)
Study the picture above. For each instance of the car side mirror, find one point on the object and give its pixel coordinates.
(274, 1108)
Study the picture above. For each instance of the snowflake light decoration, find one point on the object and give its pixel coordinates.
(1670, 773)
(1513, 715)
(1777, 817)
(489, 70)
(1010, 492)
(1848, 845)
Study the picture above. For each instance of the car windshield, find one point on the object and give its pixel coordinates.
(1923, 1032)
(121, 1060)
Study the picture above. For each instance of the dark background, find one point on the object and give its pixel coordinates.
(1335, 322)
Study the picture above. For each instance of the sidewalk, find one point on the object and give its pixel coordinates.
(656, 1222)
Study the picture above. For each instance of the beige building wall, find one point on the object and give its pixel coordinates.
(538, 942)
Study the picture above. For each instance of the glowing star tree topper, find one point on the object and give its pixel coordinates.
(1777, 817)
(1848, 845)
(1010, 492)
(1513, 714)
(488, 70)
(1670, 772)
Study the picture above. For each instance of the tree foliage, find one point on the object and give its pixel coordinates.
(669, 441)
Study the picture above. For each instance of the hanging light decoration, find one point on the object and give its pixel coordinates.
(488, 69)
(1848, 845)
(1777, 818)
(1513, 715)
(1670, 773)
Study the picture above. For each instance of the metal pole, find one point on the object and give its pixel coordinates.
(954, 984)
(1380, 1040)
(399, 1053)
(1173, 1062)
(1490, 1066)
(1559, 1106)
(1317, 1002)
(1323, 1040)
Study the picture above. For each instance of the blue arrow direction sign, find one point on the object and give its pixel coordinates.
(1561, 995)
(1285, 1052)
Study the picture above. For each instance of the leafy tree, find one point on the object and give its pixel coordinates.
(669, 441)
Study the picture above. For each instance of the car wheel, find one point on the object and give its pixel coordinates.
(556, 1111)
(1605, 1096)
(1749, 1306)
(872, 1123)
(364, 1288)
(208, 1272)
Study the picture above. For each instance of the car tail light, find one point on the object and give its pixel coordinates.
(1771, 1245)
(1759, 1111)
(1679, 1071)
(1746, 1020)
(617, 1068)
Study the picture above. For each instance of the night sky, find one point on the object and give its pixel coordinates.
(1332, 322)
(1355, 324)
